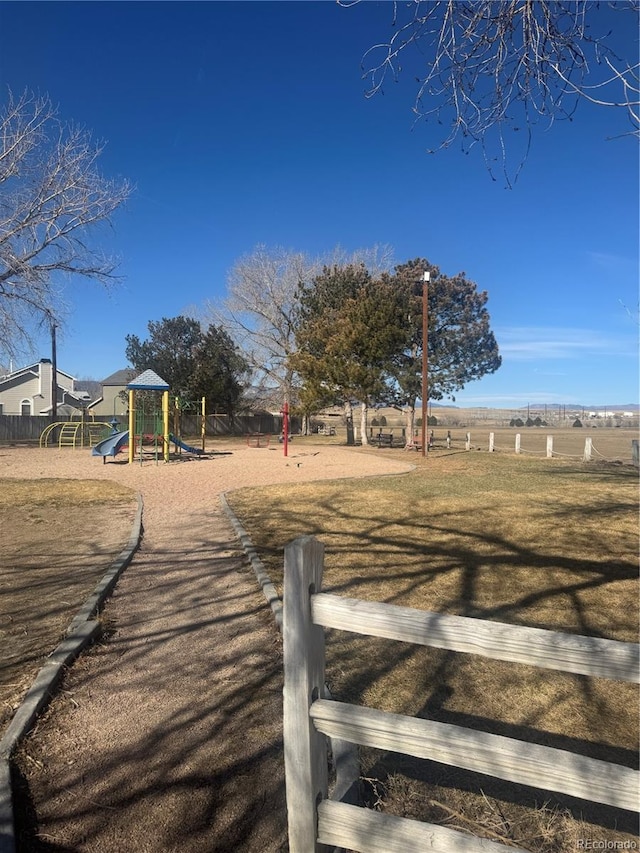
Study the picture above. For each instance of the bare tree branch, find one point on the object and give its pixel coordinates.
(486, 67)
(51, 196)
(261, 310)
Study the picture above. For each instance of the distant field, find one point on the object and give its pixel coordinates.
(609, 443)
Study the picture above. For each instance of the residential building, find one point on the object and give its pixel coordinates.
(113, 402)
(29, 391)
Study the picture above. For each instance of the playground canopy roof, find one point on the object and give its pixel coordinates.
(148, 381)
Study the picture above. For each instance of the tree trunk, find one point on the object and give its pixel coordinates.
(364, 413)
(348, 416)
(410, 415)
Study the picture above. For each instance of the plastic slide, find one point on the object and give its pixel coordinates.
(184, 446)
(111, 445)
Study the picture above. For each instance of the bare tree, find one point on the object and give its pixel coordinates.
(51, 196)
(485, 67)
(261, 309)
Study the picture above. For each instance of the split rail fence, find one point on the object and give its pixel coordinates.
(317, 823)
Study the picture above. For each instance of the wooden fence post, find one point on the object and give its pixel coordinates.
(491, 442)
(634, 452)
(549, 446)
(467, 444)
(517, 442)
(588, 446)
(305, 749)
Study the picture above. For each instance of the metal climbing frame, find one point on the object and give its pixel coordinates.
(74, 433)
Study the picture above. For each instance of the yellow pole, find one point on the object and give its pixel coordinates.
(165, 419)
(132, 422)
(204, 423)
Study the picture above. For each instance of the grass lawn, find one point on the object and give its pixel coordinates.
(528, 541)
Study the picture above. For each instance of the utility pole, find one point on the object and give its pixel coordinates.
(425, 326)
(54, 373)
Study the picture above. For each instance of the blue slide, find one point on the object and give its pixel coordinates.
(111, 445)
(184, 446)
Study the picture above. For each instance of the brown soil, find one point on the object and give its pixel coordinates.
(167, 735)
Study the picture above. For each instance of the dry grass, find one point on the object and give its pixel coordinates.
(60, 493)
(59, 537)
(526, 541)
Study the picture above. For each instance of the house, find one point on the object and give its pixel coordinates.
(28, 391)
(113, 402)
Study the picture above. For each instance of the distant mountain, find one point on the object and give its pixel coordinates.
(574, 407)
(615, 407)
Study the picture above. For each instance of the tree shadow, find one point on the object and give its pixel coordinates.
(167, 735)
(589, 717)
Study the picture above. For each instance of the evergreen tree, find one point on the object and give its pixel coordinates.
(169, 351)
(350, 327)
(460, 344)
(219, 370)
(193, 363)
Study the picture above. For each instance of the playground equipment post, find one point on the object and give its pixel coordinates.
(132, 424)
(203, 429)
(165, 423)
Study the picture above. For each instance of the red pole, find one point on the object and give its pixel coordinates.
(285, 428)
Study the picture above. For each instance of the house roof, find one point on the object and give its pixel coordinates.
(31, 368)
(120, 377)
(148, 381)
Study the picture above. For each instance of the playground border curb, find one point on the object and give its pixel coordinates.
(82, 630)
(265, 582)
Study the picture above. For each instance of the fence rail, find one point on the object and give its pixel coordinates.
(315, 821)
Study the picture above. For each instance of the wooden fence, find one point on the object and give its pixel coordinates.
(28, 428)
(588, 454)
(23, 428)
(317, 823)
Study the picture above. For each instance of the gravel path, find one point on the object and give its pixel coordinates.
(168, 734)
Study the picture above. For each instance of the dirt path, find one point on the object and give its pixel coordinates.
(167, 735)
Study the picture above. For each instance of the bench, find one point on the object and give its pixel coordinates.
(385, 439)
(258, 439)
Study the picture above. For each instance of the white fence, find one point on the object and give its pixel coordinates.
(317, 823)
(589, 453)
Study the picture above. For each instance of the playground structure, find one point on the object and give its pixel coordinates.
(81, 433)
(111, 445)
(148, 425)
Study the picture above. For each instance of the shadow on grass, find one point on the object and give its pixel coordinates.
(565, 578)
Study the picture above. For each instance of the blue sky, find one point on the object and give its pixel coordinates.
(245, 123)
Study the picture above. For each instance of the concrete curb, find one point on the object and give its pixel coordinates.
(80, 633)
(266, 585)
